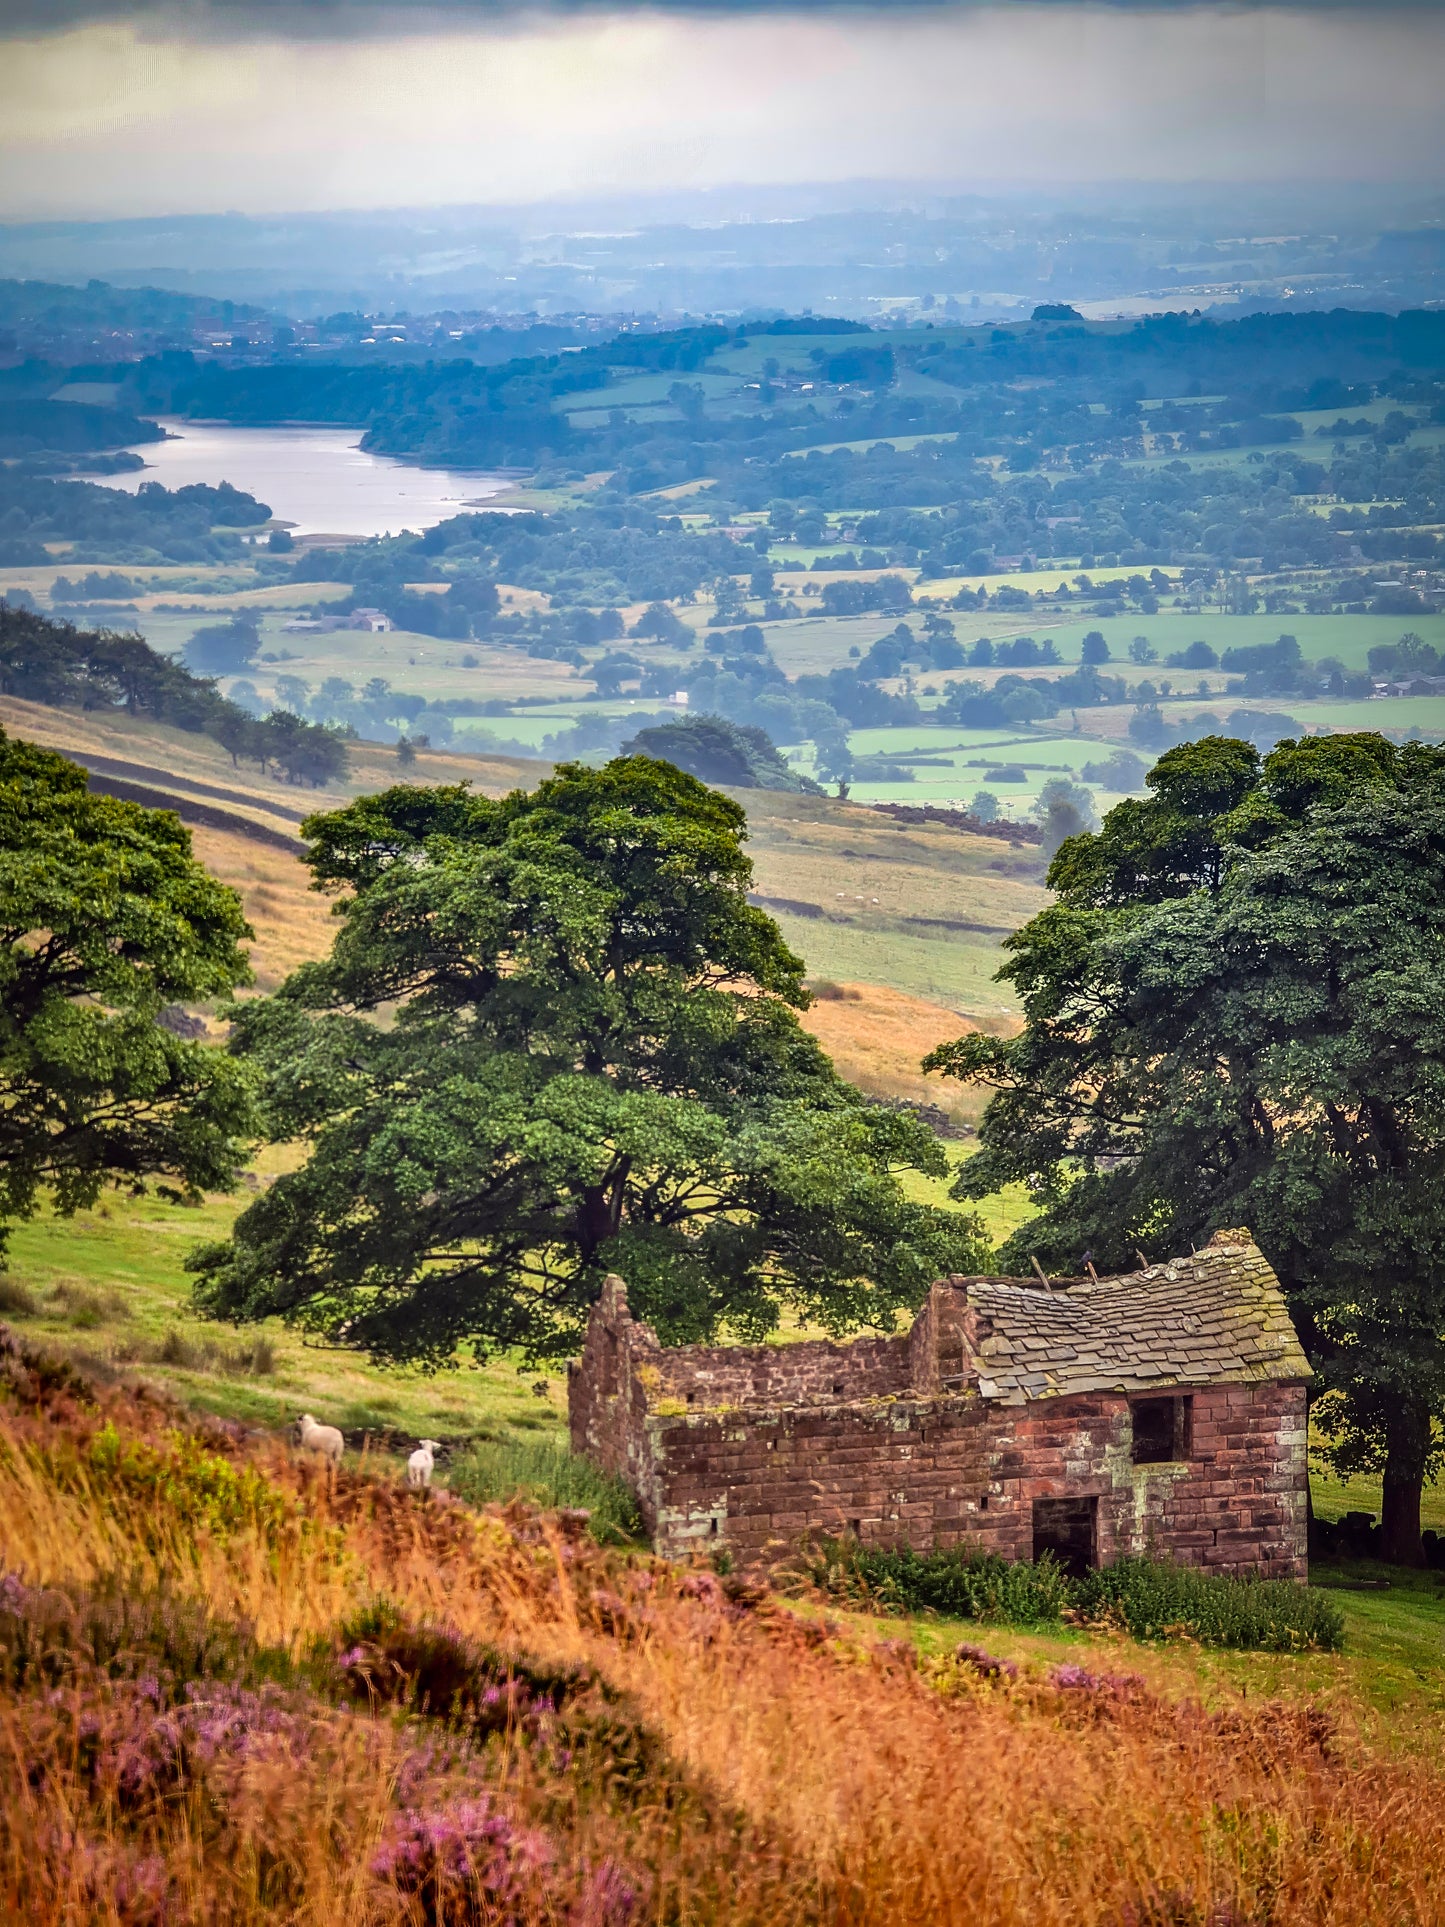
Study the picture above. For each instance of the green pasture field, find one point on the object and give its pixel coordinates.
(1390, 1665)
(108, 1284)
(424, 665)
(812, 645)
(531, 725)
(166, 580)
(954, 968)
(641, 391)
(1311, 419)
(1315, 448)
(682, 492)
(914, 381)
(1001, 1214)
(1350, 638)
(902, 442)
(1214, 459)
(980, 750)
(1425, 713)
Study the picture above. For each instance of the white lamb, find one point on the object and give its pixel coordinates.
(324, 1439)
(419, 1465)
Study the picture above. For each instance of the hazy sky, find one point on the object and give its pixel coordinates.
(105, 110)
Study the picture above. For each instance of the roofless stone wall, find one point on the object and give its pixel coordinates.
(895, 1440)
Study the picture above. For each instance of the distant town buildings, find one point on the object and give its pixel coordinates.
(374, 620)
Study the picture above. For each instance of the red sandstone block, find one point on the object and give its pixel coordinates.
(1237, 1541)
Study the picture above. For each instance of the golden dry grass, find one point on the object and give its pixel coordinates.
(166, 753)
(798, 1772)
(293, 923)
(878, 1037)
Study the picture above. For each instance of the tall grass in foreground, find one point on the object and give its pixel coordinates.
(496, 1471)
(348, 1704)
(1147, 1598)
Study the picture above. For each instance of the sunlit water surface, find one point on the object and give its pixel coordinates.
(316, 480)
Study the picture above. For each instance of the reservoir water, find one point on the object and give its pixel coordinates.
(318, 480)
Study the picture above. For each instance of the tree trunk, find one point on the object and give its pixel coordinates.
(1407, 1450)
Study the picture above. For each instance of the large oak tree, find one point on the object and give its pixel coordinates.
(1235, 1014)
(105, 918)
(554, 1039)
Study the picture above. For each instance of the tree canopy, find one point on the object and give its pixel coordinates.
(105, 917)
(717, 751)
(554, 1039)
(1235, 1014)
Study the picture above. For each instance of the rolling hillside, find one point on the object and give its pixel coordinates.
(919, 910)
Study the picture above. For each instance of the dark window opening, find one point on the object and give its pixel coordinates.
(1068, 1528)
(1161, 1429)
(983, 1503)
(838, 1390)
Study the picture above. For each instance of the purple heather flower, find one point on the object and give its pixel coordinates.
(607, 1899)
(990, 1665)
(458, 1853)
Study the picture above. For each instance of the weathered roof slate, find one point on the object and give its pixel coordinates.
(1216, 1317)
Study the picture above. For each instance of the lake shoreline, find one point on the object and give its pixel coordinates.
(318, 481)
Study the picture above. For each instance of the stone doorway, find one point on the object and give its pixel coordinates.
(1069, 1529)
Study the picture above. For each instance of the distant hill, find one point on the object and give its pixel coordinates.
(97, 303)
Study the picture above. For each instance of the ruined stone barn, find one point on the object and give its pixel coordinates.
(1162, 1412)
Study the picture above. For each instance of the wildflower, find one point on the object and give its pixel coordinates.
(702, 1586)
(990, 1665)
(463, 1863)
(607, 1899)
(1075, 1679)
(134, 1892)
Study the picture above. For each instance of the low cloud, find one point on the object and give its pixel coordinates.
(340, 19)
(110, 119)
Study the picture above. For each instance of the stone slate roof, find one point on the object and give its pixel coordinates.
(1215, 1318)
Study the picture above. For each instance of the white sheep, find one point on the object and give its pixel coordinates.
(419, 1465)
(324, 1439)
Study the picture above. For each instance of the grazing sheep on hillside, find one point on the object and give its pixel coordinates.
(324, 1439)
(419, 1465)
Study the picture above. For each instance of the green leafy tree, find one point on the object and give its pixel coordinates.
(225, 648)
(1064, 810)
(1235, 1014)
(717, 751)
(105, 918)
(834, 757)
(554, 1039)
